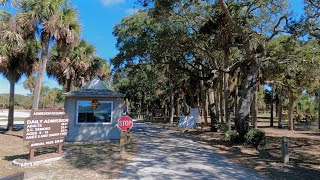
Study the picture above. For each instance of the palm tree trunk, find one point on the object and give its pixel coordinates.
(12, 81)
(45, 39)
(280, 109)
(271, 113)
(68, 84)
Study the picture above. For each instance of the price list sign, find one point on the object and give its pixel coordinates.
(46, 128)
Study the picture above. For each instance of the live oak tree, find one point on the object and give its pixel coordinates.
(243, 30)
(312, 19)
(295, 69)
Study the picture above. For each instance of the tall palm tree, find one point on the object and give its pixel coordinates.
(57, 22)
(18, 53)
(77, 66)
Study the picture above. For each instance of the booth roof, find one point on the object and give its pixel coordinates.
(95, 88)
(95, 93)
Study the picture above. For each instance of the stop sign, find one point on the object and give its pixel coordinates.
(125, 123)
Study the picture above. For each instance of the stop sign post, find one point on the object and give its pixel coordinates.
(125, 123)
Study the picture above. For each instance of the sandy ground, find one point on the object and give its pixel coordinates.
(165, 154)
(88, 161)
(304, 150)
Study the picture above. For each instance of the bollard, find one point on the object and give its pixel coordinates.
(122, 142)
(285, 150)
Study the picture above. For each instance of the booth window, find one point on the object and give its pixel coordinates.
(100, 112)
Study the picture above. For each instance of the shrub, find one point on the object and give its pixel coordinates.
(232, 136)
(255, 138)
(223, 128)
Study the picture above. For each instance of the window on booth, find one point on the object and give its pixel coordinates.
(94, 111)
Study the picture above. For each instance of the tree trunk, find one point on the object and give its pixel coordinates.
(280, 109)
(177, 112)
(12, 81)
(216, 101)
(290, 110)
(319, 109)
(226, 88)
(45, 39)
(248, 89)
(235, 100)
(212, 110)
(255, 110)
(171, 97)
(277, 103)
(221, 100)
(68, 84)
(271, 113)
(203, 102)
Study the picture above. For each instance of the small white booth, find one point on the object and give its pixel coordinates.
(94, 112)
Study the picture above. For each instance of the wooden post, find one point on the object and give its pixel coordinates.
(285, 150)
(31, 154)
(128, 138)
(122, 142)
(59, 148)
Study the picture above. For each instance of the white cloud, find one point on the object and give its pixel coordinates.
(111, 2)
(131, 11)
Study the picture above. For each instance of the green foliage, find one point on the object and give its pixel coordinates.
(21, 102)
(78, 65)
(223, 128)
(255, 138)
(232, 136)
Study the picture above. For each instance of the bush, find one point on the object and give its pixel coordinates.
(255, 138)
(223, 128)
(232, 136)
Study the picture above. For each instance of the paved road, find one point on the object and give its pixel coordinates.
(164, 154)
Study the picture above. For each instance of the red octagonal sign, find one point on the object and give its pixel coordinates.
(125, 123)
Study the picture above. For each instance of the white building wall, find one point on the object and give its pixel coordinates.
(93, 132)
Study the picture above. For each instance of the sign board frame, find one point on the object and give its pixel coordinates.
(45, 128)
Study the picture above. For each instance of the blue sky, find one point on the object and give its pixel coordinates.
(98, 18)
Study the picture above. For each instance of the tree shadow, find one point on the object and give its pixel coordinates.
(268, 159)
(104, 158)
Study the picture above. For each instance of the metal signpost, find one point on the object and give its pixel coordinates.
(45, 128)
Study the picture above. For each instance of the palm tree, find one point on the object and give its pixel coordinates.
(18, 54)
(77, 66)
(30, 83)
(57, 22)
